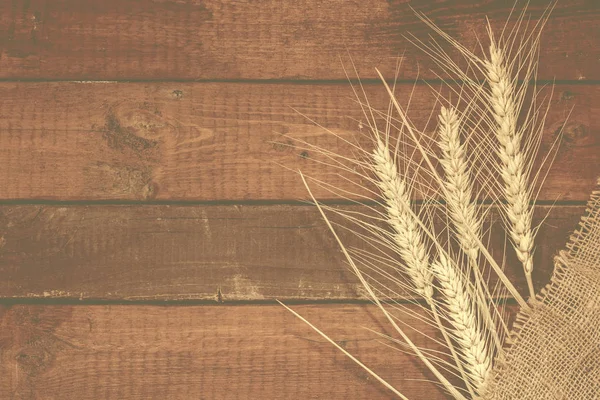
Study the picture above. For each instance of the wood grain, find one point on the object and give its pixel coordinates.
(201, 352)
(224, 253)
(100, 101)
(225, 141)
(268, 39)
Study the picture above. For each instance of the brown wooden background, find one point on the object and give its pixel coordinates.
(146, 226)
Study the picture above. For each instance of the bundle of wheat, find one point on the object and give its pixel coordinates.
(485, 145)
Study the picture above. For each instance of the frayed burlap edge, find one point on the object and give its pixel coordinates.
(554, 348)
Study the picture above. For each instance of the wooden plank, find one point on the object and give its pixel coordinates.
(269, 39)
(202, 352)
(213, 253)
(224, 141)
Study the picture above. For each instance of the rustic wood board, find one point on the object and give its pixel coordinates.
(201, 352)
(225, 141)
(226, 253)
(123, 277)
(269, 39)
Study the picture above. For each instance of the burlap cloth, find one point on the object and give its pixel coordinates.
(554, 351)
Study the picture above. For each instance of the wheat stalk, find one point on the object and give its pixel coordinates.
(463, 317)
(375, 298)
(340, 348)
(464, 310)
(513, 159)
(432, 170)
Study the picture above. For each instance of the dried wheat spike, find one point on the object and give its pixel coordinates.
(407, 234)
(458, 183)
(468, 332)
(513, 171)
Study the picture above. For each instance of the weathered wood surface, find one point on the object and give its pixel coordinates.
(270, 39)
(224, 141)
(201, 352)
(202, 252)
(168, 138)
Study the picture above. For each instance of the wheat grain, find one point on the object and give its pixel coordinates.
(513, 169)
(463, 318)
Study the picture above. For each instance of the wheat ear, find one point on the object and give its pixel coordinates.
(442, 379)
(513, 168)
(463, 317)
(461, 209)
(407, 235)
(458, 183)
(468, 333)
(484, 252)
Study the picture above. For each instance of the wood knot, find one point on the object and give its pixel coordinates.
(33, 359)
(574, 133)
(118, 136)
(567, 95)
